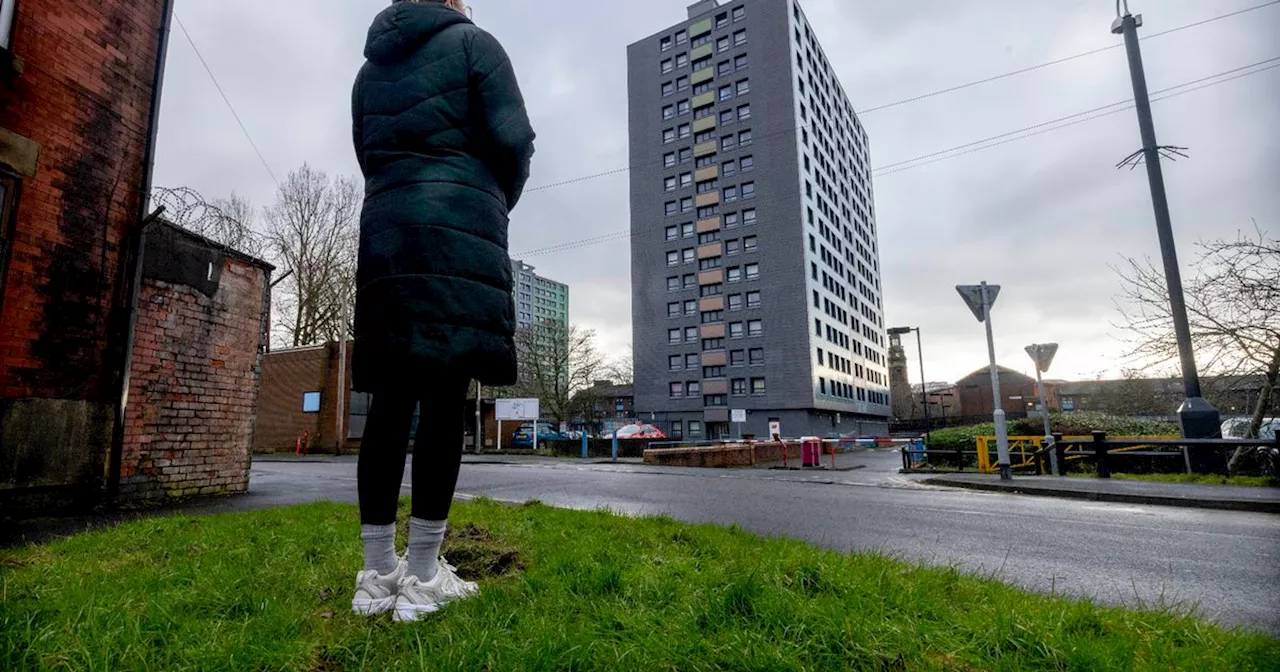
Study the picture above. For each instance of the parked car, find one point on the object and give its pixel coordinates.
(1236, 428)
(638, 432)
(546, 432)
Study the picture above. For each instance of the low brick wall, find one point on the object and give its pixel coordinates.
(194, 380)
(722, 456)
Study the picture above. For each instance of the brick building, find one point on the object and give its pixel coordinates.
(300, 401)
(202, 326)
(1017, 391)
(79, 100)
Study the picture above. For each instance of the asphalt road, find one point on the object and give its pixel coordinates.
(1225, 563)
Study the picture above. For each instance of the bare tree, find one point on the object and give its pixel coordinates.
(557, 363)
(620, 369)
(1233, 305)
(230, 221)
(312, 231)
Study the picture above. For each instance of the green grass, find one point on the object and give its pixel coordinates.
(576, 591)
(1196, 479)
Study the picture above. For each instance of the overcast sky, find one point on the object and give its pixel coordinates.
(1044, 217)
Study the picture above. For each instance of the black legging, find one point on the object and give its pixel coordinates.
(437, 453)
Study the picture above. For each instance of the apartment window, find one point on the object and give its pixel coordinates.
(748, 163)
(666, 67)
(740, 38)
(730, 194)
(690, 307)
(738, 387)
(708, 186)
(740, 62)
(691, 361)
(708, 211)
(682, 107)
(713, 317)
(673, 337)
(748, 190)
(739, 13)
(709, 264)
(686, 230)
(726, 117)
(744, 112)
(757, 386)
(673, 283)
(732, 247)
(682, 60)
(708, 237)
(671, 208)
(752, 271)
(690, 281)
(677, 430)
(673, 258)
(745, 138)
(673, 232)
(695, 428)
(682, 37)
(675, 362)
(722, 19)
(686, 155)
(753, 299)
(682, 83)
(713, 372)
(731, 220)
(743, 87)
(669, 159)
(705, 161)
(676, 390)
(664, 44)
(727, 143)
(669, 184)
(735, 302)
(701, 63)
(750, 244)
(690, 334)
(711, 290)
(755, 328)
(722, 44)
(713, 344)
(716, 400)
(704, 136)
(699, 89)
(738, 358)
(730, 168)
(684, 131)
(668, 88)
(686, 180)
(748, 217)
(724, 67)
(686, 204)
(693, 389)
(737, 330)
(735, 274)
(756, 356)
(668, 136)
(822, 385)
(817, 327)
(726, 92)
(700, 40)
(673, 309)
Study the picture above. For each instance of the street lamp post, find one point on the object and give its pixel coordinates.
(1199, 419)
(924, 383)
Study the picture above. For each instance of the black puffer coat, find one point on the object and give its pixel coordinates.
(444, 141)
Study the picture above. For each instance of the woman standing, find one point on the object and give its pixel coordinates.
(444, 143)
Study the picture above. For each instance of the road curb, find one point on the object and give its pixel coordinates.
(1117, 497)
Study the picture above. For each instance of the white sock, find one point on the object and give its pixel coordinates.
(425, 538)
(379, 547)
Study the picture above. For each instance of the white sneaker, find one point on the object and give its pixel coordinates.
(417, 599)
(376, 593)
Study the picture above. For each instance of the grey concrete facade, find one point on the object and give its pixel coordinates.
(780, 260)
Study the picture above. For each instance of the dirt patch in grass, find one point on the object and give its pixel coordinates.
(479, 554)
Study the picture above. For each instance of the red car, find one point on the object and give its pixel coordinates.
(638, 432)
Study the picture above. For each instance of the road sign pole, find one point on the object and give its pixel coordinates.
(1002, 432)
(499, 436)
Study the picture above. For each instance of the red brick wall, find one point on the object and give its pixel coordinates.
(286, 376)
(85, 97)
(193, 388)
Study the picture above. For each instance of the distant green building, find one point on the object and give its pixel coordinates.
(538, 299)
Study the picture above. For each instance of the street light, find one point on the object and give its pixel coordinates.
(924, 383)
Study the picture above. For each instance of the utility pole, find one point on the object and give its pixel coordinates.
(1199, 419)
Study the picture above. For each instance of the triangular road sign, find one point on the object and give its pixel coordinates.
(1042, 355)
(972, 295)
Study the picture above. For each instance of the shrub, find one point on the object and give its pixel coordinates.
(1070, 424)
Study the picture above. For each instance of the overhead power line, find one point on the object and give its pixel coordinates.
(227, 100)
(1060, 61)
(984, 144)
(952, 89)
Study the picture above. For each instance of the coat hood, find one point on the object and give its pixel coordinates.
(403, 27)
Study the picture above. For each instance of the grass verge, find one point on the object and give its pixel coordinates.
(1199, 479)
(562, 590)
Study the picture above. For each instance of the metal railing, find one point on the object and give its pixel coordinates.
(1099, 449)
